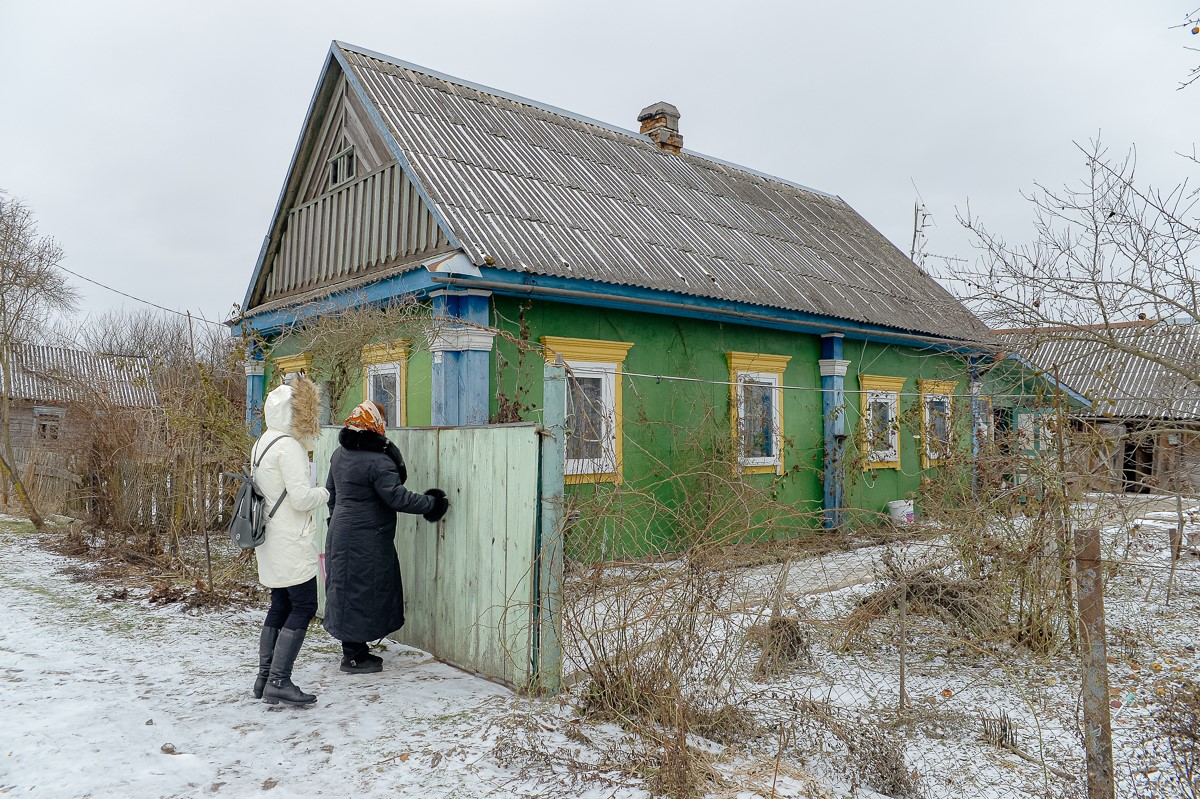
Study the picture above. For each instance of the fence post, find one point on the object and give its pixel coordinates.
(1097, 726)
(547, 621)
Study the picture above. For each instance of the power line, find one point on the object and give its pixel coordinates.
(139, 299)
(983, 394)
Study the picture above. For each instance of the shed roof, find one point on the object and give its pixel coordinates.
(59, 375)
(523, 186)
(1137, 370)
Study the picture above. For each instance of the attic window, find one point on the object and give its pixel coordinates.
(341, 167)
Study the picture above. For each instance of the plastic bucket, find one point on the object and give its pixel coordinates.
(901, 511)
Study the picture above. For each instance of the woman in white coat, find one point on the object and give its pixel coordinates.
(287, 558)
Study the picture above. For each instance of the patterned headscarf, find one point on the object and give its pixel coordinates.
(366, 416)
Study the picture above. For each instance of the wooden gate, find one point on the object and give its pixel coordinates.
(471, 584)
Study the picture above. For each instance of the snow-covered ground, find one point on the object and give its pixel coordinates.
(130, 700)
(106, 697)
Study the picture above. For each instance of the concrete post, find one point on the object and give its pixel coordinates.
(547, 661)
(833, 413)
(1097, 724)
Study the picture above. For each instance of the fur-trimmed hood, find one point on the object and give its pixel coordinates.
(370, 441)
(294, 409)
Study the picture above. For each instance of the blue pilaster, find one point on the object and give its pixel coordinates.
(978, 423)
(461, 350)
(833, 412)
(255, 390)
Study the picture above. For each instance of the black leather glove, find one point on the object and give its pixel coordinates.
(393, 452)
(440, 505)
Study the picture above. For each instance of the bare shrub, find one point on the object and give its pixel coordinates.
(335, 337)
(926, 591)
(1167, 764)
(662, 640)
(785, 645)
(152, 476)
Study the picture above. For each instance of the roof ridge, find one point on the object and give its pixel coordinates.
(553, 109)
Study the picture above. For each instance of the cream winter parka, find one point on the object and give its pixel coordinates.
(288, 556)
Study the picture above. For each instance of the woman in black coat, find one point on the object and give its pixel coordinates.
(364, 597)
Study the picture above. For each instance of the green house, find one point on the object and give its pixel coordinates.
(693, 300)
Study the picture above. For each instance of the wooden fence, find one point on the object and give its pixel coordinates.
(129, 494)
(470, 581)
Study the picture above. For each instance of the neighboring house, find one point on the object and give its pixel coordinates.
(1140, 428)
(54, 393)
(1020, 407)
(47, 381)
(831, 361)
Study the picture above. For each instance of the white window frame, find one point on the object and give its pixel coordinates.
(774, 380)
(606, 464)
(932, 455)
(396, 371)
(891, 455)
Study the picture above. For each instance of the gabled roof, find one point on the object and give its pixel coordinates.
(1128, 370)
(61, 375)
(526, 187)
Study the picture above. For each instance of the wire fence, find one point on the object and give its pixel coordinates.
(754, 653)
(928, 667)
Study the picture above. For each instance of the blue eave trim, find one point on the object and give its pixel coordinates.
(413, 283)
(418, 282)
(707, 308)
(393, 145)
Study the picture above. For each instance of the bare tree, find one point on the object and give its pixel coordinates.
(196, 431)
(1107, 298)
(1106, 252)
(1192, 23)
(32, 291)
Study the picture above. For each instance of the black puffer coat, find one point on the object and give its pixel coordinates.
(364, 597)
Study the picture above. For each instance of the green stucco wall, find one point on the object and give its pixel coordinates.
(664, 419)
(672, 427)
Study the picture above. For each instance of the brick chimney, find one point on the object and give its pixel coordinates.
(661, 123)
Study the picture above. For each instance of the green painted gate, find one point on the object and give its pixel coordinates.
(471, 582)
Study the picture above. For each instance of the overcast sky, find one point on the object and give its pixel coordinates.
(151, 139)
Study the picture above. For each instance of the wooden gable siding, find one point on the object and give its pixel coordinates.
(346, 122)
(372, 222)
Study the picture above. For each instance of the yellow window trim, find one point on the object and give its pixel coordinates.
(290, 364)
(879, 383)
(926, 388)
(766, 364)
(388, 352)
(596, 351)
(757, 362)
(585, 349)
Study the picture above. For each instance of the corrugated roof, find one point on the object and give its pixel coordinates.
(60, 375)
(530, 188)
(1134, 371)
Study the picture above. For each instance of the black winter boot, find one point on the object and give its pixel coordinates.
(279, 687)
(266, 649)
(357, 659)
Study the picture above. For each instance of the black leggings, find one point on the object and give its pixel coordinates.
(293, 607)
